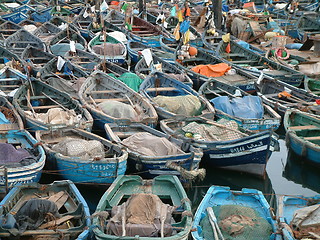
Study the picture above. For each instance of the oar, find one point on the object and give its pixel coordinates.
(212, 225)
(212, 217)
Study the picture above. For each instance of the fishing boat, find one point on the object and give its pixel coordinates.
(299, 217)
(22, 159)
(95, 160)
(303, 134)
(35, 58)
(70, 216)
(312, 85)
(9, 117)
(64, 76)
(153, 153)
(115, 18)
(145, 32)
(111, 101)
(82, 22)
(87, 61)
(135, 49)
(282, 96)
(224, 144)
(65, 40)
(43, 107)
(193, 67)
(142, 69)
(232, 103)
(7, 29)
(10, 80)
(108, 48)
(172, 98)
(15, 17)
(254, 63)
(172, 222)
(18, 41)
(224, 213)
(306, 25)
(46, 32)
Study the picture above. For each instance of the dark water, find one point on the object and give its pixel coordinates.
(287, 174)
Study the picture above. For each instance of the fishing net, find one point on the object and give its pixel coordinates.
(149, 145)
(84, 149)
(188, 105)
(143, 215)
(306, 221)
(109, 49)
(225, 130)
(119, 110)
(237, 222)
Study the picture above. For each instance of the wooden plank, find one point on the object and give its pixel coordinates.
(109, 99)
(161, 89)
(56, 222)
(59, 198)
(312, 138)
(302, 127)
(46, 107)
(104, 91)
(10, 126)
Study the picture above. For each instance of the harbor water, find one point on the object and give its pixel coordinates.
(287, 174)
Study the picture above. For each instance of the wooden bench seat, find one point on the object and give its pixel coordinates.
(161, 89)
(304, 127)
(312, 138)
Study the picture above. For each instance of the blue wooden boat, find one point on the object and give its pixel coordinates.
(35, 58)
(86, 61)
(163, 189)
(143, 70)
(22, 159)
(232, 148)
(9, 117)
(303, 134)
(255, 64)
(149, 165)
(15, 17)
(305, 25)
(220, 205)
(120, 103)
(232, 103)
(10, 80)
(43, 107)
(145, 32)
(160, 85)
(25, 8)
(8, 28)
(291, 207)
(108, 48)
(18, 41)
(93, 162)
(282, 96)
(82, 22)
(46, 32)
(135, 48)
(239, 78)
(60, 199)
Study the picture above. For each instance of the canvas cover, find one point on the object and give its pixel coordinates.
(142, 214)
(57, 116)
(60, 49)
(10, 155)
(216, 70)
(188, 105)
(120, 110)
(249, 107)
(109, 49)
(150, 145)
(71, 87)
(81, 148)
(131, 80)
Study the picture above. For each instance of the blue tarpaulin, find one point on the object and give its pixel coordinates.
(249, 107)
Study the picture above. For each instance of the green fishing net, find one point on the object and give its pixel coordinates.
(237, 223)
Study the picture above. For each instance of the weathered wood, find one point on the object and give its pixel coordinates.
(45, 107)
(161, 89)
(56, 222)
(302, 127)
(312, 138)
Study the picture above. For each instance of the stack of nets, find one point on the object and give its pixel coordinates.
(188, 105)
(237, 222)
(109, 49)
(210, 132)
(81, 148)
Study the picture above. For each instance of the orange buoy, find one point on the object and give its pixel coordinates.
(193, 51)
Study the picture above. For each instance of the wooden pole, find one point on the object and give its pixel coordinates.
(217, 10)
